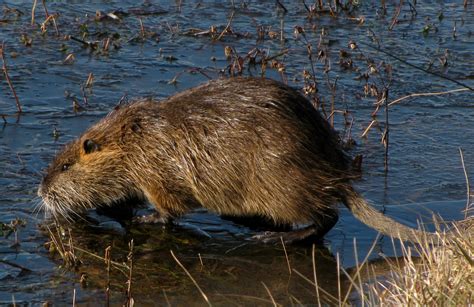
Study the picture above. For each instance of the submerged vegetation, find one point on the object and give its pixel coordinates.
(366, 66)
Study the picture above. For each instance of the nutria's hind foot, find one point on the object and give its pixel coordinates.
(313, 232)
(289, 237)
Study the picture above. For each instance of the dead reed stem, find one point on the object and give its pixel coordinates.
(316, 286)
(427, 94)
(386, 133)
(270, 294)
(468, 188)
(366, 131)
(227, 26)
(33, 9)
(282, 26)
(7, 77)
(52, 17)
(286, 255)
(130, 302)
(108, 261)
(320, 5)
(395, 17)
(338, 263)
(74, 298)
(90, 80)
(282, 6)
(192, 279)
(200, 261)
(142, 28)
(166, 298)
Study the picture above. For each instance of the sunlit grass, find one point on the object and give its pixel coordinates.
(431, 275)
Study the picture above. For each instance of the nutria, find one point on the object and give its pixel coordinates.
(239, 146)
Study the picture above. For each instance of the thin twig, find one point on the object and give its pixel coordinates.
(427, 94)
(52, 17)
(108, 261)
(364, 134)
(282, 36)
(119, 266)
(395, 17)
(84, 96)
(386, 133)
(92, 45)
(200, 261)
(7, 77)
(142, 28)
(130, 301)
(468, 201)
(74, 298)
(286, 255)
(33, 9)
(192, 279)
(315, 277)
(338, 266)
(281, 6)
(166, 298)
(227, 26)
(270, 294)
(90, 80)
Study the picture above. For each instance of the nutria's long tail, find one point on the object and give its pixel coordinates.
(373, 218)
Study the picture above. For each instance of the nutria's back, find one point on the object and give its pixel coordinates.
(240, 146)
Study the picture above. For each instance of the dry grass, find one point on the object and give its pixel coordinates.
(441, 275)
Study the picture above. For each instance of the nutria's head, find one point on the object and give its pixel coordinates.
(89, 172)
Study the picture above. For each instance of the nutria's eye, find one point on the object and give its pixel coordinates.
(65, 167)
(90, 146)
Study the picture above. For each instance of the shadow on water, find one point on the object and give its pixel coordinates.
(175, 50)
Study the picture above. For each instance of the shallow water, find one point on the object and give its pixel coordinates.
(425, 172)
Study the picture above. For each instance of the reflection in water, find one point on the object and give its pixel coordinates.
(226, 268)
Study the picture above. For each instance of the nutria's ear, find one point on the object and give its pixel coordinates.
(90, 146)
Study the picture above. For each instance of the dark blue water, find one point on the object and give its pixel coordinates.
(425, 172)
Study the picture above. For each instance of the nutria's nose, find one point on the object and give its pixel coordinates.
(41, 188)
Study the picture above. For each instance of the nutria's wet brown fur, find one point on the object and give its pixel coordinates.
(241, 146)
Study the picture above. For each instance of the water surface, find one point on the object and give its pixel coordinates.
(425, 172)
